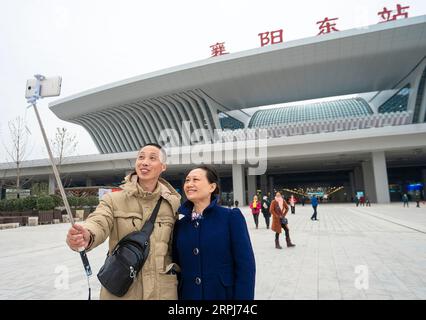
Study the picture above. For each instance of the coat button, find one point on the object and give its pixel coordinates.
(196, 224)
(196, 251)
(197, 280)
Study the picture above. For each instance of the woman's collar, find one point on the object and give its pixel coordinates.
(187, 207)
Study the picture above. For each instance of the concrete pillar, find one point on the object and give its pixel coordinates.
(264, 184)
(239, 184)
(271, 186)
(424, 178)
(380, 173)
(52, 184)
(376, 178)
(424, 183)
(345, 194)
(89, 182)
(368, 177)
(251, 187)
(358, 179)
(351, 190)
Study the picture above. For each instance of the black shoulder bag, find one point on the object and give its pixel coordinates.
(127, 258)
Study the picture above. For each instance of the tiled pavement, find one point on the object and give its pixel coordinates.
(376, 252)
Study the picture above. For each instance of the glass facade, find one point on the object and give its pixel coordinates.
(398, 102)
(311, 112)
(228, 122)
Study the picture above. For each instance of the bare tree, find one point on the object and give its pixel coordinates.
(63, 145)
(18, 151)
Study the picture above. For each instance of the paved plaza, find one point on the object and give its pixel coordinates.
(376, 252)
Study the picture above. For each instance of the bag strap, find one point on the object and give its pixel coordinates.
(147, 228)
(155, 211)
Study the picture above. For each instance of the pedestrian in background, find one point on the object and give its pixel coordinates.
(405, 200)
(255, 210)
(367, 201)
(292, 202)
(418, 199)
(279, 209)
(314, 202)
(265, 210)
(362, 201)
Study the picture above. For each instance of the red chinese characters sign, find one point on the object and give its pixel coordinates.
(386, 15)
(271, 37)
(218, 49)
(327, 25)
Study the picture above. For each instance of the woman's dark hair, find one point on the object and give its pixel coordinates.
(211, 175)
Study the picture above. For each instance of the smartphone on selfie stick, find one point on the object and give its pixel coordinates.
(36, 89)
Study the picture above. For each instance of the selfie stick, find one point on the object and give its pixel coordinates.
(33, 101)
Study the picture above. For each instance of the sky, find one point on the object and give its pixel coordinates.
(90, 43)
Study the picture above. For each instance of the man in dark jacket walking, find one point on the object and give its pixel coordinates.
(405, 200)
(418, 198)
(265, 211)
(314, 201)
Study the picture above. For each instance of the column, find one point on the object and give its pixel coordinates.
(368, 177)
(52, 184)
(352, 190)
(264, 184)
(89, 182)
(424, 178)
(380, 173)
(1, 189)
(251, 187)
(424, 183)
(239, 184)
(358, 179)
(271, 186)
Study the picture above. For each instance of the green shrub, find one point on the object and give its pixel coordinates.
(92, 201)
(19, 204)
(30, 203)
(82, 201)
(12, 205)
(9, 205)
(73, 201)
(45, 203)
(2, 205)
(57, 199)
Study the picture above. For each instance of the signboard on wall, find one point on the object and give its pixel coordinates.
(360, 194)
(13, 193)
(318, 194)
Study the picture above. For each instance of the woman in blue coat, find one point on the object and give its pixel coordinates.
(212, 244)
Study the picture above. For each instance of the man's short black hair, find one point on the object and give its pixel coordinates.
(152, 144)
(162, 150)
